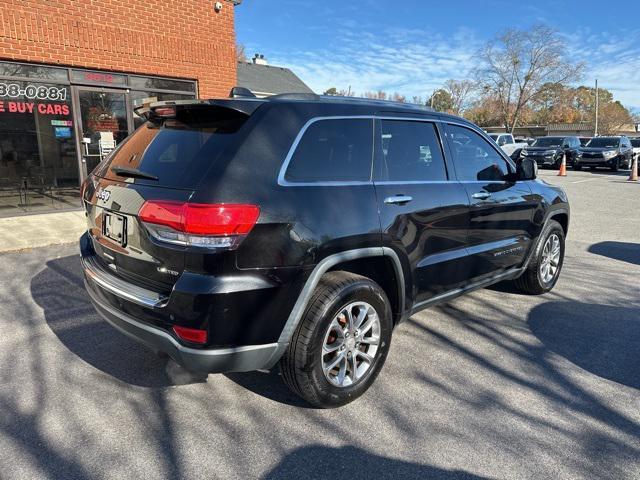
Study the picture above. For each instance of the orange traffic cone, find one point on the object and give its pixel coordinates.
(633, 176)
(563, 166)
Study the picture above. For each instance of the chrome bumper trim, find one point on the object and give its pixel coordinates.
(133, 293)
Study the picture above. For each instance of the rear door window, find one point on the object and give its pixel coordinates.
(333, 150)
(411, 152)
(177, 151)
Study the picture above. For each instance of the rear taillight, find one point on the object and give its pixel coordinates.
(193, 335)
(217, 226)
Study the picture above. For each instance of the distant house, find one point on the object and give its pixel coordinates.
(264, 79)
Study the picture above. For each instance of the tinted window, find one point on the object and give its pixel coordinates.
(635, 142)
(604, 142)
(548, 142)
(179, 151)
(411, 152)
(508, 139)
(333, 151)
(161, 84)
(475, 159)
(32, 71)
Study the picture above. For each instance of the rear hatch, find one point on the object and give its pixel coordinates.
(162, 161)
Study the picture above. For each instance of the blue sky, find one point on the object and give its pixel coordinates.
(413, 46)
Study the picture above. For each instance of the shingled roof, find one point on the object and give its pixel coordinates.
(265, 80)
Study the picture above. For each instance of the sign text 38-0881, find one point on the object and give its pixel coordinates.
(33, 92)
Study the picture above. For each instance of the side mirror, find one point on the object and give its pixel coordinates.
(527, 169)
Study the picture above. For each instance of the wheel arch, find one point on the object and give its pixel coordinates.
(350, 260)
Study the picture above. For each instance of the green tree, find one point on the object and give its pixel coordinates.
(441, 100)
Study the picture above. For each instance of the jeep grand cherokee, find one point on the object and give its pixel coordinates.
(242, 234)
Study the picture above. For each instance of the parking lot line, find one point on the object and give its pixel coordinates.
(587, 180)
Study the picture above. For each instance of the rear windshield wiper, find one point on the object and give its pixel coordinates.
(132, 173)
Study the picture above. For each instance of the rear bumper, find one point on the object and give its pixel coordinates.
(220, 360)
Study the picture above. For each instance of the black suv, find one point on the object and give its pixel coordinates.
(549, 151)
(241, 234)
(611, 152)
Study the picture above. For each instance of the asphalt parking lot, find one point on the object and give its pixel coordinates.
(492, 385)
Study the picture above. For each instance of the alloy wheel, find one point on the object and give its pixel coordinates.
(550, 259)
(351, 344)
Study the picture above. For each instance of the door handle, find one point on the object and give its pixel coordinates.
(481, 195)
(398, 199)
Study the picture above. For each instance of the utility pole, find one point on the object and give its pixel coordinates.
(595, 133)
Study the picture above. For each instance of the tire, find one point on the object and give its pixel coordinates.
(532, 280)
(557, 164)
(616, 165)
(303, 362)
(577, 167)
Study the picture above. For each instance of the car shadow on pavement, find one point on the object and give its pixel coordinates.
(601, 339)
(348, 462)
(623, 251)
(268, 385)
(59, 291)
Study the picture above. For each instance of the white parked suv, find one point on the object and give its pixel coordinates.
(508, 144)
(635, 143)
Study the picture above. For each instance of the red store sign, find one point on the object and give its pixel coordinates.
(44, 108)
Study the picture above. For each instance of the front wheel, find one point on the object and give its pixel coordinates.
(616, 165)
(341, 342)
(543, 270)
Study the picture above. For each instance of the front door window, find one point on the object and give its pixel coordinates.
(104, 124)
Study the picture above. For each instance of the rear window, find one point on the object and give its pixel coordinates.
(411, 152)
(177, 151)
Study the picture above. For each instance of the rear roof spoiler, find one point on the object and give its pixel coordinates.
(242, 105)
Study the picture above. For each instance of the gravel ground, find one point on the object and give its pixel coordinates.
(491, 385)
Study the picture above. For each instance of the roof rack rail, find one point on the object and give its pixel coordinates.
(295, 96)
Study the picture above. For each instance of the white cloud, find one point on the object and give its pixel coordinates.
(416, 62)
(412, 62)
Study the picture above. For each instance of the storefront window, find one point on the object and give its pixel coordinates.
(38, 161)
(161, 84)
(43, 152)
(32, 71)
(104, 124)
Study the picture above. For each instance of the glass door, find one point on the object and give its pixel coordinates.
(103, 123)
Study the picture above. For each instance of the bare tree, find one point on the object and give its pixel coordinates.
(460, 92)
(241, 53)
(517, 65)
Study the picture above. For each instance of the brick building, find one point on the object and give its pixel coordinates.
(71, 72)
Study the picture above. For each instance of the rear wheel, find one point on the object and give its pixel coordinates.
(341, 342)
(544, 268)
